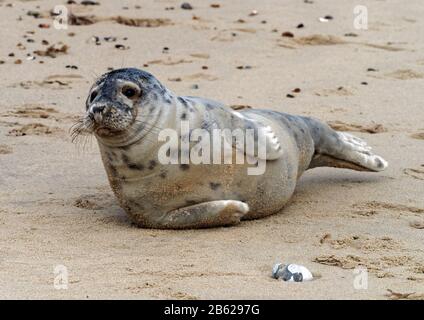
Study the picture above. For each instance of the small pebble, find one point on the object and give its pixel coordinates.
(121, 47)
(205, 67)
(44, 25)
(11, 54)
(215, 5)
(195, 86)
(34, 14)
(18, 61)
(350, 34)
(253, 13)
(244, 67)
(300, 26)
(287, 34)
(296, 90)
(288, 95)
(89, 3)
(186, 6)
(371, 70)
(326, 18)
(71, 67)
(364, 83)
(110, 39)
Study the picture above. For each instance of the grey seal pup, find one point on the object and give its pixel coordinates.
(126, 110)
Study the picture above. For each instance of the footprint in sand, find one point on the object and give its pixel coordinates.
(362, 243)
(415, 173)
(418, 135)
(51, 82)
(169, 61)
(93, 201)
(4, 149)
(224, 36)
(328, 40)
(375, 265)
(200, 55)
(375, 207)
(417, 225)
(37, 129)
(32, 111)
(404, 74)
(334, 92)
(370, 128)
(84, 20)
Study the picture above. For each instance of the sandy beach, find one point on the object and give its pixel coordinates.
(57, 208)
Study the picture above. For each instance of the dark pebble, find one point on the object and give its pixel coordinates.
(89, 3)
(186, 6)
(287, 34)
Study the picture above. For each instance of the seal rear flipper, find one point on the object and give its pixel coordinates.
(341, 149)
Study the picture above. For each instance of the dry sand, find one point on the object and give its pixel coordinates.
(56, 207)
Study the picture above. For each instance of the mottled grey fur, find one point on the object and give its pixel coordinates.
(190, 196)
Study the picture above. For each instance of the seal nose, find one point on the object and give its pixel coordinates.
(97, 109)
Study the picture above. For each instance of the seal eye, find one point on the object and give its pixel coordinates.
(93, 96)
(129, 92)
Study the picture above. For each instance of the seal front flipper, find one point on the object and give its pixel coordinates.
(203, 215)
(262, 134)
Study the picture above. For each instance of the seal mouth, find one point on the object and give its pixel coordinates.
(106, 131)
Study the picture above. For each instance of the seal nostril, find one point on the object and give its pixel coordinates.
(97, 109)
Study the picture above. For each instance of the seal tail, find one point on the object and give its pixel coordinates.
(341, 149)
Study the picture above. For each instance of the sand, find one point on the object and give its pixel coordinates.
(56, 207)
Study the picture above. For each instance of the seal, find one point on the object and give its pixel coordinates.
(127, 109)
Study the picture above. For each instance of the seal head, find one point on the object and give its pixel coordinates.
(119, 103)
